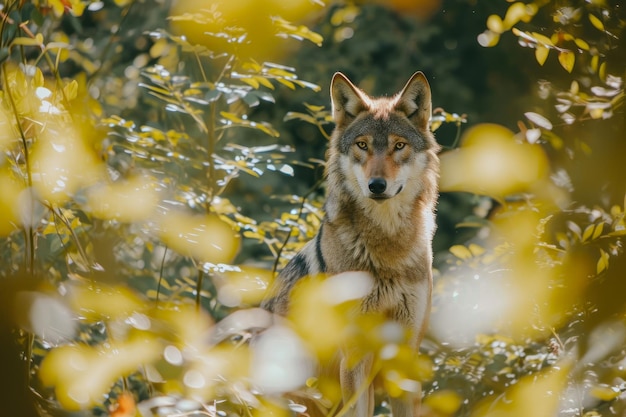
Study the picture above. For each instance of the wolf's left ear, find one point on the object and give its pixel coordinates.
(415, 101)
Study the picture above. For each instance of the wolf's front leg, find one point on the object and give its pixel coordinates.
(353, 381)
(407, 405)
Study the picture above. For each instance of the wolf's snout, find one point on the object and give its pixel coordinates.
(377, 185)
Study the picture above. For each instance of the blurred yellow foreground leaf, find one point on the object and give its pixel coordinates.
(204, 238)
(82, 375)
(491, 162)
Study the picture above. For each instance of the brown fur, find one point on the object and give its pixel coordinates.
(385, 230)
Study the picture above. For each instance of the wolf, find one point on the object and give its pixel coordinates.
(381, 173)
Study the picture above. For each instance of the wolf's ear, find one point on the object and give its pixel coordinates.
(347, 100)
(415, 101)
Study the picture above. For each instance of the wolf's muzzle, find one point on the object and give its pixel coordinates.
(377, 185)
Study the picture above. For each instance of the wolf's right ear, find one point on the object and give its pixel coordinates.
(347, 100)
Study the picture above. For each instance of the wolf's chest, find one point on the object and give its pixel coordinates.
(370, 250)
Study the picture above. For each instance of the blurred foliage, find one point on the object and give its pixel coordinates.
(144, 208)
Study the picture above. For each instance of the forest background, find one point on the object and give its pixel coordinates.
(161, 161)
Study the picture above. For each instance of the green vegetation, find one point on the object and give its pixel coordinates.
(160, 162)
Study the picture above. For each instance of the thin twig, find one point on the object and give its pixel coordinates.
(311, 190)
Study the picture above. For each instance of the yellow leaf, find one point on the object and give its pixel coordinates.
(230, 116)
(476, 250)
(605, 393)
(594, 63)
(287, 83)
(278, 72)
(602, 71)
(77, 7)
(50, 229)
(541, 54)
(435, 124)
(495, 24)
(588, 232)
(24, 41)
(555, 37)
(597, 23)
(488, 39)
(57, 7)
(542, 39)
(444, 402)
(596, 112)
(582, 44)
(159, 48)
(71, 90)
(567, 59)
(598, 231)
(461, 252)
(516, 12)
(250, 81)
(603, 262)
(39, 79)
(264, 82)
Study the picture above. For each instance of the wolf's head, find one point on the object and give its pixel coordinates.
(381, 146)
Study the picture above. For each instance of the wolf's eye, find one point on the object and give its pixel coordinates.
(362, 145)
(400, 145)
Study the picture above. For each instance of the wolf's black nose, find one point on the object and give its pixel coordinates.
(377, 185)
